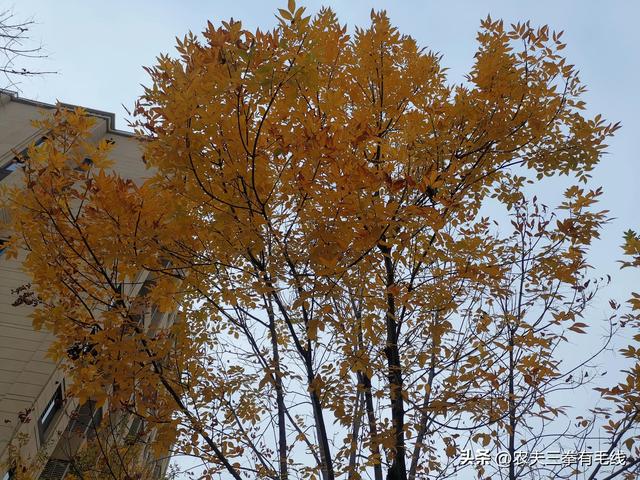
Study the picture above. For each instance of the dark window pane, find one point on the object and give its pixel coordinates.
(53, 407)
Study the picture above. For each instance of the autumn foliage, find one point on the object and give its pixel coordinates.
(363, 278)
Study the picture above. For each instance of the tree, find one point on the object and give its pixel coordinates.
(622, 428)
(316, 220)
(13, 36)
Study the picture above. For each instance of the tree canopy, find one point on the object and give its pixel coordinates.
(363, 281)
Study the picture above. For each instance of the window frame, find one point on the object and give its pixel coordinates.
(10, 474)
(16, 162)
(50, 413)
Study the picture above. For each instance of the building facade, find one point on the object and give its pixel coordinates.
(38, 421)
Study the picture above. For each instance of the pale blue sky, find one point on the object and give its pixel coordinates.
(99, 48)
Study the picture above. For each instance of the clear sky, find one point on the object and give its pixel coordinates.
(99, 48)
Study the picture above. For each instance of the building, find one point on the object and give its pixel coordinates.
(36, 417)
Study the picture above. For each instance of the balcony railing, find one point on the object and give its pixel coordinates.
(55, 469)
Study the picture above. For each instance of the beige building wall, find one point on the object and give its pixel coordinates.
(28, 379)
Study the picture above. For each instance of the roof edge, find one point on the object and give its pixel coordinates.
(109, 117)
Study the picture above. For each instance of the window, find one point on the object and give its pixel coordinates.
(95, 423)
(156, 319)
(147, 286)
(50, 412)
(8, 168)
(85, 420)
(16, 161)
(136, 430)
(143, 298)
(86, 163)
(55, 469)
(116, 299)
(10, 475)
